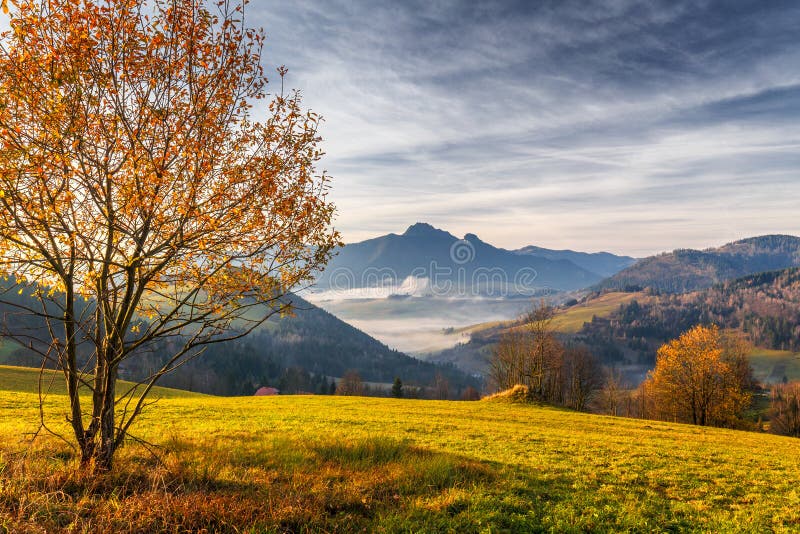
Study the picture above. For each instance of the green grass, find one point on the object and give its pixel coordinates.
(571, 320)
(349, 464)
(26, 380)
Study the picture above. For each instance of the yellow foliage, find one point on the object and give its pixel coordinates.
(699, 378)
(134, 179)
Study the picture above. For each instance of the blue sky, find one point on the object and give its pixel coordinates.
(632, 127)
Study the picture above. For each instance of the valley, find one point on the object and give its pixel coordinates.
(418, 290)
(418, 325)
(663, 295)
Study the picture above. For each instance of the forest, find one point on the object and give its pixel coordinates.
(765, 306)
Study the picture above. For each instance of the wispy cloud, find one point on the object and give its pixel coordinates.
(628, 126)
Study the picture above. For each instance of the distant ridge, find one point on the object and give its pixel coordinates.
(425, 251)
(689, 270)
(601, 263)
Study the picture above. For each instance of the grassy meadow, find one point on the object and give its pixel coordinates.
(351, 464)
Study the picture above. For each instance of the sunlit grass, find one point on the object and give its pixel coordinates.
(572, 319)
(27, 380)
(347, 464)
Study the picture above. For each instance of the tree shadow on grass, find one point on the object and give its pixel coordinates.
(282, 485)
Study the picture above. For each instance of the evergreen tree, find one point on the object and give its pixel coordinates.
(397, 388)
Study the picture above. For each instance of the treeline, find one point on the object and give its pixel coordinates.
(351, 384)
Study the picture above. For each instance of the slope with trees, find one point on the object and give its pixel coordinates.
(690, 270)
(765, 306)
(626, 329)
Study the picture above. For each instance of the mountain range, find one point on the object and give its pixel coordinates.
(468, 264)
(601, 263)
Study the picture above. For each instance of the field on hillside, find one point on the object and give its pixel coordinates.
(26, 380)
(349, 464)
(771, 366)
(572, 319)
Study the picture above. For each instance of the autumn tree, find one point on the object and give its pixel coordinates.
(700, 378)
(736, 348)
(141, 203)
(350, 384)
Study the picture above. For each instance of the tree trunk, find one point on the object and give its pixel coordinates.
(99, 446)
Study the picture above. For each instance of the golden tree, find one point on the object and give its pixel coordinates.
(701, 378)
(141, 202)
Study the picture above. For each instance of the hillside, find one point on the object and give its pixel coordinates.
(626, 329)
(26, 380)
(474, 354)
(600, 263)
(295, 353)
(349, 464)
(449, 264)
(765, 306)
(689, 270)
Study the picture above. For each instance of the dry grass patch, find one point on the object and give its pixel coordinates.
(321, 487)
